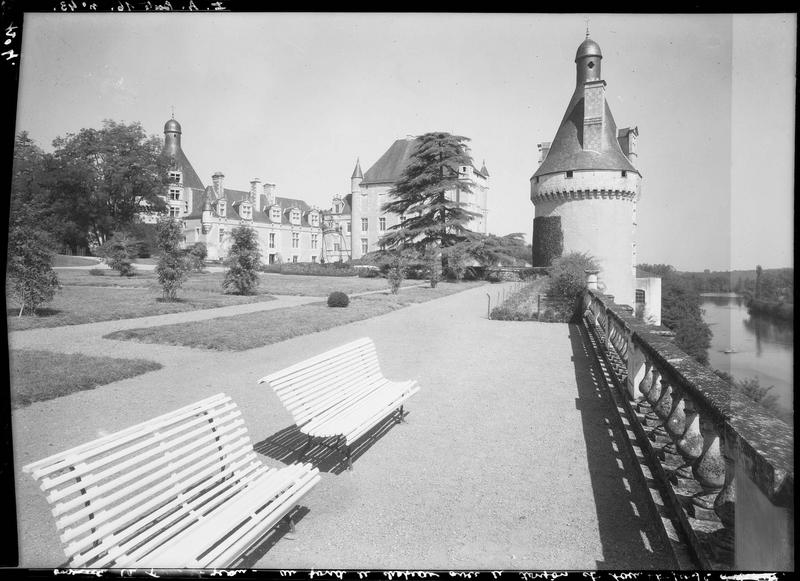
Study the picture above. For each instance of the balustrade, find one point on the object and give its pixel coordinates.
(700, 433)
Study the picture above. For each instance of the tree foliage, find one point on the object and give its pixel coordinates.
(172, 268)
(548, 240)
(104, 178)
(119, 252)
(30, 279)
(427, 195)
(681, 312)
(244, 259)
(568, 274)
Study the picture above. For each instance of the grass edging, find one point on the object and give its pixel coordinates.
(253, 330)
(44, 375)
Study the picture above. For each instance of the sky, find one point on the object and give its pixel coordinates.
(295, 99)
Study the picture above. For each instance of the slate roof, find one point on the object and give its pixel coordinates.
(567, 153)
(190, 177)
(391, 164)
(235, 197)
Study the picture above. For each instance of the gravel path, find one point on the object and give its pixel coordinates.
(506, 460)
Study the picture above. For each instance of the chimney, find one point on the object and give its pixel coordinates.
(594, 114)
(269, 191)
(219, 187)
(544, 149)
(256, 190)
(628, 142)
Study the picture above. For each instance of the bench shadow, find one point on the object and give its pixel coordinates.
(280, 531)
(625, 518)
(287, 446)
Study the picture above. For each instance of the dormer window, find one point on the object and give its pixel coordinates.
(221, 208)
(569, 174)
(275, 213)
(313, 219)
(624, 173)
(294, 216)
(175, 193)
(246, 211)
(175, 177)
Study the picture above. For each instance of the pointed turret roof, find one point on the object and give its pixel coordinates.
(357, 171)
(484, 171)
(567, 152)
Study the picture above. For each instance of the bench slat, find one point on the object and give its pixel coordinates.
(363, 357)
(354, 345)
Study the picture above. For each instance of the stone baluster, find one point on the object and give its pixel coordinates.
(653, 395)
(637, 371)
(675, 426)
(709, 471)
(645, 385)
(689, 446)
(725, 508)
(662, 409)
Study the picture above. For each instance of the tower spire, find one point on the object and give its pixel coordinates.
(587, 27)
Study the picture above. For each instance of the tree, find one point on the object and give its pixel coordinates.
(568, 274)
(759, 271)
(30, 279)
(196, 255)
(681, 312)
(105, 178)
(243, 261)
(427, 194)
(172, 269)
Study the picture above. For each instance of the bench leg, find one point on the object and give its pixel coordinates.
(291, 524)
(401, 416)
(349, 459)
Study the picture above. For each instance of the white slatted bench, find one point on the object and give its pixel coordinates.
(183, 490)
(340, 393)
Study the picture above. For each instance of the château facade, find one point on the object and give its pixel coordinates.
(290, 229)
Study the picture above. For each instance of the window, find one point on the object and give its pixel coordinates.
(347, 227)
(337, 246)
(221, 208)
(174, 211)
(272, 258)
(186, 207)
(221, 234)
(313, 240)
(295, 240)
(313, 259)
(536, 179)
(246, 211)
(364, 224)
(272, 239)
(294, 258)
(639, 296)
(569, 174)
(175, 177)
(174, 193)
(313, 218)
(275, 214)
(382, 224)
(295, 216)
(624, 173)
(364, 246)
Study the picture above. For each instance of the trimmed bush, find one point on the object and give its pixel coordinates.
(338, 299)
(97, 272)
(548, 240)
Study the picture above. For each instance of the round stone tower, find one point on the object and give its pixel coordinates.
(586, 181)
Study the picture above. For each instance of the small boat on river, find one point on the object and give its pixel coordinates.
(729, 350)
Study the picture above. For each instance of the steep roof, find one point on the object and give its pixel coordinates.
(190, 177)
(567, 153)
(391, 164)
(233, 197)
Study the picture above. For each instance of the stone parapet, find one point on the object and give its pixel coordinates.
(586, 184)
(727, 463)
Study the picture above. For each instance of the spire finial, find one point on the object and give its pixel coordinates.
(587, 26)
(173, 111)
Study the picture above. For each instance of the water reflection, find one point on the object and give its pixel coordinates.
(748, 346)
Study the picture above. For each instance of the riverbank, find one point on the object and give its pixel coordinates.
(783, 311)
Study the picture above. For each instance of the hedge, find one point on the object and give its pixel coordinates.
(547, 241)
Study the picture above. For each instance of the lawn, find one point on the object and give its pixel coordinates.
(89, 298)
(42, 375)
(252, 330)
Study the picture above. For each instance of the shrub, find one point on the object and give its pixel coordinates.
(30, 278)
(396, 273)
(243, 262)
(196, 256)
(338, 299)
(172, 268)
(97, 272)
(119, 252)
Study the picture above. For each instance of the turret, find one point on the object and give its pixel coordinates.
(356, 178)
(172, 138)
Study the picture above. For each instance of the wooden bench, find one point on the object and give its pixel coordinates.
(340, 393)
(183, 490)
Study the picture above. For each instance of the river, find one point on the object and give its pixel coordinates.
(764, 348)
